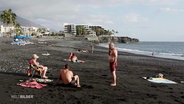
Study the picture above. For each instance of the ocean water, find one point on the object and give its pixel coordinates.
(172, 50)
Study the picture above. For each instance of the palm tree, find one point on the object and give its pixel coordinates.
(8, 17)
(39, 30)
(114, 32)
(17, 25)
(81, 31)
(18, 29)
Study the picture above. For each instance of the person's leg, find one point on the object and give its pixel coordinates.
(92, 49)
(113, 72)
(45, 71)
(113, 78)
(77, 79)
(80, 61)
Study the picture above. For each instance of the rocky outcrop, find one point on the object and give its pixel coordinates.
(102, 39)
(127, 40)
(106, 39)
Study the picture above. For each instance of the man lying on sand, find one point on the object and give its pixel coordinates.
(81, 50)
(36, 66)
(68, 78)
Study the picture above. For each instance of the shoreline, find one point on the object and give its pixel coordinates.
(144, 53)
(94, 76)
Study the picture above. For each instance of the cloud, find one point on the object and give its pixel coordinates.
(165, 1)
(54, 13)
(99, 3)
(172, 10)
(135, 18)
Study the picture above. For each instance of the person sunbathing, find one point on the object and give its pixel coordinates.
(82, 50)
(74, 59)
(36, 66)
(68, 78)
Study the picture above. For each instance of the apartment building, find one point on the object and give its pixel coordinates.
(71, 29)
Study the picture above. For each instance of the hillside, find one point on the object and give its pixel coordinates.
(24, 22)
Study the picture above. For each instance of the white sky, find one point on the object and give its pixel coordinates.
(147, 20)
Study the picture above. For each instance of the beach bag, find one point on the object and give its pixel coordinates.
(28, 72)
(32, 70)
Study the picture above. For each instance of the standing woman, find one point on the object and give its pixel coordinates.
(113, 56)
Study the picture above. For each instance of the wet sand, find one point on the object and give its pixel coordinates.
(95, 77)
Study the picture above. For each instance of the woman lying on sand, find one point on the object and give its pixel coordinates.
(73, 58)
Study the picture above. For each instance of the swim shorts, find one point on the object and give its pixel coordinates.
(113, 66)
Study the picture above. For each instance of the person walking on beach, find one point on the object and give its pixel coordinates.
(92, 47)
(68, 78)
(113, 55)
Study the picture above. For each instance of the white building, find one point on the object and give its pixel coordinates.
(5, 29)
(71, 29)
(27, 30)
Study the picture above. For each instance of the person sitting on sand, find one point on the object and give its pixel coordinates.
(74, 59)
(36, 66)
(68, 78)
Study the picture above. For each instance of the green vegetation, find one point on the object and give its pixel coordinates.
(42, 30)
(9, 18)
(81, 31)
(18, 29)
(101, 31)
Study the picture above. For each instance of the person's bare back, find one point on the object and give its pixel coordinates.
(66, 76)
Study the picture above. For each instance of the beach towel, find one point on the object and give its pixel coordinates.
(18, 43)
(159, 80)
(32, 84)
(41, 80)
(78, 61)
(45, 54)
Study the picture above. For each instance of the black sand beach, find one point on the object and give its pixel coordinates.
(94, 76)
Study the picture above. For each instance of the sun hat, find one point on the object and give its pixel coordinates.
(35, 56)
(160, 75)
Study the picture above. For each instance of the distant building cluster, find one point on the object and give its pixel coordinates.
(72, 29)
(26, 30)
